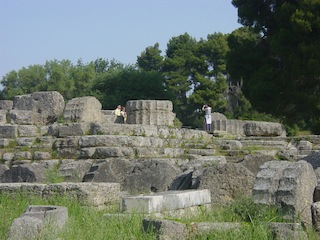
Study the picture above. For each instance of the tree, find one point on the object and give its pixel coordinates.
(24, 81)
(122, 83)
(285, 79)
(178, 67)
(151, 59)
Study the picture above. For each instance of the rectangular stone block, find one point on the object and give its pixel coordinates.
(28, 131)
(165, 201)
(20, 117)
(8, 131)
(3, 117)
(73, 129)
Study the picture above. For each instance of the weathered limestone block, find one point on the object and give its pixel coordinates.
(150, 112)
(229, 144)
(23, 155)
(21, 117)
(287, 231)
(5, 141)
(3, 117)
(83, 109)
(315, 208)
(31, 224)
(165, 229)
(73, 129)
(28, 131)
(254, 161)
(219, 121)
(92, 194)
(227, 181)
(28, 172)
(267, 129)
(6, 105)
(73, 170)
(25, 141)
(289, 185)
(46, 107)
(49, 130)
(26, 227)
(37, 155)
(207, 227)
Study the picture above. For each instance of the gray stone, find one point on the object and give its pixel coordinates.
(226, 182)
(3, 168)
(46, 107)
(4, 142)
(17, 174)
(288, 185)
(8, 156)
(207, 227)
(25, 141)
(3, 117)
(28, 131)
(6, 105)
(266, 129)
(304, 145)
(8, 131)
(83, 109)
(313, 159)
(26, 228)
(23, 155)
(37, 155)
(21, 117)
(254, 161)
(92, 194)
(165, 229)
(315, 209)
(150, 175)
(73, 170)
(150, 112)
(73, 129)
(287, 231)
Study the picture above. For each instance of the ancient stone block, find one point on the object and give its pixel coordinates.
(3, 117)
(150, 112)
(165, 229)
(73, 129)
(21, 117)
(8, 131)
(288, 185)
(83, 109)
(227, 181)
(6, 105)
(287, 231)
(266, 129)
(28, 131)
(46, 107)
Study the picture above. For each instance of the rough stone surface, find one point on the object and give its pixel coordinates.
(20, 117)
(266, 129)
(207, 227)
(83, 109)
(6, 105)
(165, 229)
(26, 227)
(8, 131)
(287, 231)
(46, 107)
(92, 194)
(315, 208)
(288, 185)
(3, 117)
(226, 182)
(254, 161)
(150, 112)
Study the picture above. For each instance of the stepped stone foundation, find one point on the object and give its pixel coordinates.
(150, 112)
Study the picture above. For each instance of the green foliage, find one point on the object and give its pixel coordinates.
(282, 66)
(120, 84)
(53, 175)
(151, 59)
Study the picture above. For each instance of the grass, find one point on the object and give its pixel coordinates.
(89, 223)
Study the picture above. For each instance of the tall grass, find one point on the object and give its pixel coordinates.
(89, 223)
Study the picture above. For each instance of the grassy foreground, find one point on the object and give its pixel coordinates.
(88, 223)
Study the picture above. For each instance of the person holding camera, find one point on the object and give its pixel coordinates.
(207, 117)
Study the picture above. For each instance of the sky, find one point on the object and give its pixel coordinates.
(36, 31)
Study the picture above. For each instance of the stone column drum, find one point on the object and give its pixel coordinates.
(150, 112)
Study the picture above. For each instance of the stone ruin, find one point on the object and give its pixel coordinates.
(83, 144)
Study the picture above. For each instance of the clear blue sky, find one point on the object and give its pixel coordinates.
(33, 31)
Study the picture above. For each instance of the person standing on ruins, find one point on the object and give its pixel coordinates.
(207, 117)
(117, 112)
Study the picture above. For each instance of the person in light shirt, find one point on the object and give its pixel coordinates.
(117, 112)
(207, 117)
